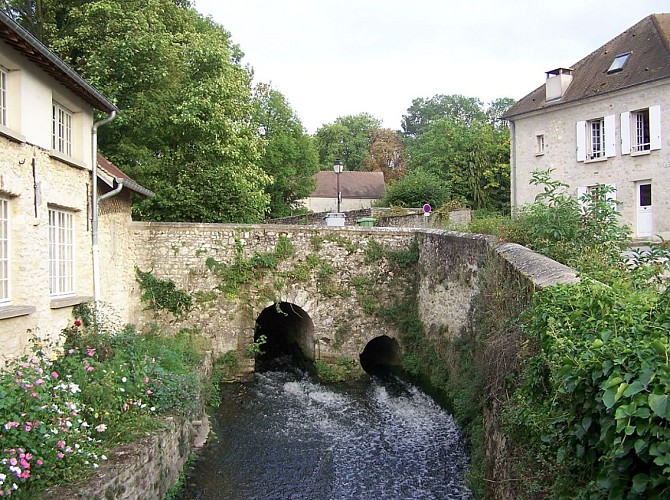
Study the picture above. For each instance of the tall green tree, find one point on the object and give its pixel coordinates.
(472, 158)
(348, 138)
(290, 157)
(423, 112)
(186, 129)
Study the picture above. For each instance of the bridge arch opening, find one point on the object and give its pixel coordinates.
(381, 355)
(289, 336)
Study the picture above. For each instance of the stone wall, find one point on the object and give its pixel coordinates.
(146, 468)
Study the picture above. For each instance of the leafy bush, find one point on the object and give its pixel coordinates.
(415, 189)
(594, 401)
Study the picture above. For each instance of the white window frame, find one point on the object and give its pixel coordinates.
(61, 252)
(4, 79)
(61, 129)
(631, 133)
(5, 251)
(596, 139)
(540, 144)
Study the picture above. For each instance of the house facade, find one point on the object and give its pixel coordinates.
(47, 146)
(605, 120)
(358, 190)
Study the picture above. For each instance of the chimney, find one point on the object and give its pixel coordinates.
(558, 81)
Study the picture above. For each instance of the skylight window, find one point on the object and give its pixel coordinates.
(618, 63)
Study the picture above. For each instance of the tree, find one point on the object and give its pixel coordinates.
(471, 158)
(186, 129)
(290, 157)
(386, 154)
(497, 109)
(348, 138)
(418, 187)
(423, 112)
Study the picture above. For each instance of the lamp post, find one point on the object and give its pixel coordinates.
(337, 168)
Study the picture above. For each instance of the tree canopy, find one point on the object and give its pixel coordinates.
(386, 154)
(348, 138)
(290, 157)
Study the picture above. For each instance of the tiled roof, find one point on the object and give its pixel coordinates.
(24, 42)
(361, 185)
(109, 168)
(649, 45)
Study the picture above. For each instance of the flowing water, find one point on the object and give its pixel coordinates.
(285, 436)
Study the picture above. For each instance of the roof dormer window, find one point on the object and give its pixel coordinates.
(618, 63)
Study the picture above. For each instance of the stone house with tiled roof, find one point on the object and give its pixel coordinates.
(359, 190)
(604, 120)
(53, 216)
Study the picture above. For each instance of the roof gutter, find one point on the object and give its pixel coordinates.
(94, 204)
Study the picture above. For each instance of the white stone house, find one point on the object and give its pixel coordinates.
(358, 190)
(604, 120)
(47, 197)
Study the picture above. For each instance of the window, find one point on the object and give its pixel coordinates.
(540, 144)
(4, 250)
(3, 96)
(596, 139)
(62, 130)
(641, 130)
(61, 252)
(618, 63)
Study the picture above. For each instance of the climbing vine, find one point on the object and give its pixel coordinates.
(160, 294)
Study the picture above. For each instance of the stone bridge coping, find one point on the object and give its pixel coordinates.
(539, 269)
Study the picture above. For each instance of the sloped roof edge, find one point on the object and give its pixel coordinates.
(109, 168)
(25, 43)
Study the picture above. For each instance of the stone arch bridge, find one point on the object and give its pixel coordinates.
(321, 292)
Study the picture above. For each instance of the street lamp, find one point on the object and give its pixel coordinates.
(337, 168)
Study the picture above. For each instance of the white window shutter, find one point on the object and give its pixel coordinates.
(655, 127)
(581, 191)
(610, 196)
(625, 133)
(581, 141)
(610, 136)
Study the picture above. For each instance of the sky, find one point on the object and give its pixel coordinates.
(333, 58)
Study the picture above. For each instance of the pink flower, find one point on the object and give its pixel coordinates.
(77, 322)
(60, 455)
(90, 351)
(89, 368)
(54, 374)
(11, 425)
(39, 462)
(13, 461)
(149, 392)
(60, 444)
(39, 381)
(28, 427)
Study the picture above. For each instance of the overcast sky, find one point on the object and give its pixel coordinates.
(333, 58)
